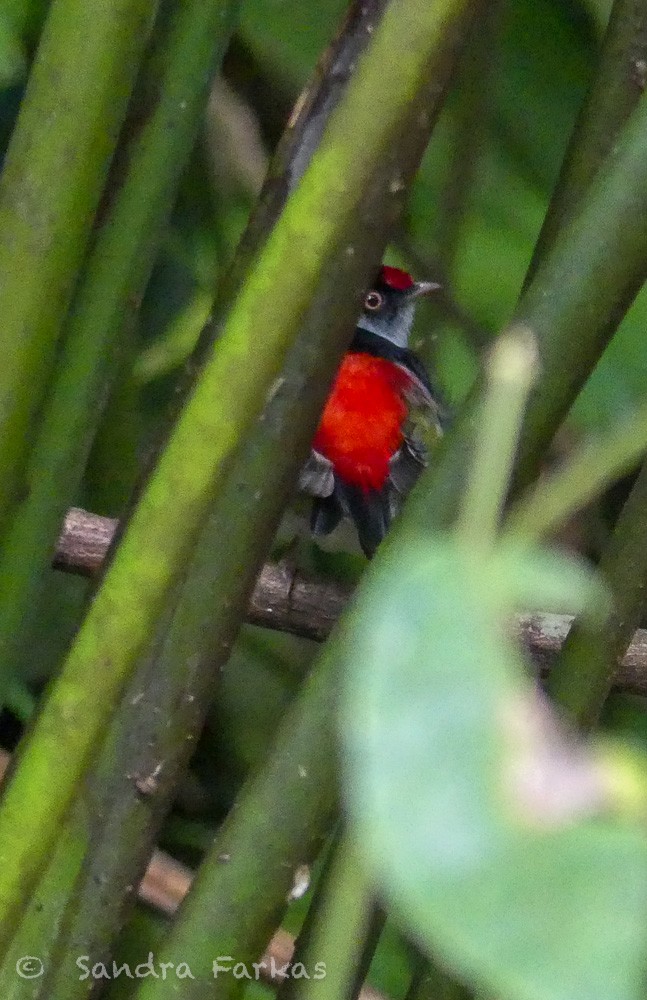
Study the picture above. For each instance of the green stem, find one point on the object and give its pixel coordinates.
(166, 703)
(113, 281)
(578, 296)
(26, 17)
(408, 49)
(616, 88)
(340, 927)
(583, 287)
(36, 934)
(241, 890)
(560, 494)
(302, 136)
(307, 942)
(49, 189)
(21, 22)
(583, 674)
(472, 88)
(510, 373)
(302, 945)
(430, 982)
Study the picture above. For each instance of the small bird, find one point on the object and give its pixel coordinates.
(364, 459)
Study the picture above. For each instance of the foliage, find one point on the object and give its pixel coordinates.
(170, 325)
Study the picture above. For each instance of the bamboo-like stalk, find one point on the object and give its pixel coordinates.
(25, 17)
(592, 654)
(45, 912)
(173, 688)
(617, 85)
(471, 109)
(188, 49)
(578, 296)
(305, 128)
(163, 888)
(582, 289)
(560, 494)
(113, 282)
(303, 940)
(212, 601)
(406, 50)
(510, 372)
(340, 928)
(285, 807)
(50, 186)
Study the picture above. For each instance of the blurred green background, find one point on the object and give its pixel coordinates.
(473, 218)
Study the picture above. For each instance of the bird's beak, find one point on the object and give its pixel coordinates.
(423, 288)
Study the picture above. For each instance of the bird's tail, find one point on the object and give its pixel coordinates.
(371, 512)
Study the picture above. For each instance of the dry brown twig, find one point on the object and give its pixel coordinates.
(286, 601)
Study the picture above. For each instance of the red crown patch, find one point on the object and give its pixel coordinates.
(396, 279)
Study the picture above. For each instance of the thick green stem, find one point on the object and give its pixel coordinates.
(510, 373)
(584, 286)
(25, 16)
(20, 24)
(168, 697)
(583, 674)
(430, 982)
(37, 933)
(578, 296)
(303, 942)
(408, 49)
(559, 495)
(309, 939)
(166, 704)
(49, 189)
(340, 928)
(240, 891)
(470, 115)
(113, 282)
(616, 88)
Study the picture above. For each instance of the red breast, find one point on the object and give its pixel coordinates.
(361, 426)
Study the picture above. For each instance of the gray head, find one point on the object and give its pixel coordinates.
(390, 303)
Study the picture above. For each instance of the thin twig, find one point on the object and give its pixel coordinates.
(287, 601)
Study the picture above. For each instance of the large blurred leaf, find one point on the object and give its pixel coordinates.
(501, 843)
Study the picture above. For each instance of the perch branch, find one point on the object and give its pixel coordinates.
(287, 601)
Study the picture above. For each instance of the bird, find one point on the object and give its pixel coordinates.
(365, 456)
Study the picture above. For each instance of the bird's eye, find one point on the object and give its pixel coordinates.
(373, 301)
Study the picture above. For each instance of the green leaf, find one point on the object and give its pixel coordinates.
(548, 580)
(504, 847)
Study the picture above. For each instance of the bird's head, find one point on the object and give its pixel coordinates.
(390, 302)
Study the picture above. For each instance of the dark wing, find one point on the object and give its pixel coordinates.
(406, 465)
(371, 513)
(326, 514)
(422, 394)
